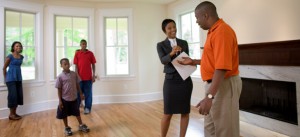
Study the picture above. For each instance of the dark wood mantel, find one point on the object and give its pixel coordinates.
(281, 53)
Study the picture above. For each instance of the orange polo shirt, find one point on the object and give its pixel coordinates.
(220, 51)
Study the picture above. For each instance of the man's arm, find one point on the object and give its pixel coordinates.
(196, 62)
(189, 61)
(217, 79)
(204, 105)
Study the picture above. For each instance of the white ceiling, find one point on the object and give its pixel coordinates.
(147, 1)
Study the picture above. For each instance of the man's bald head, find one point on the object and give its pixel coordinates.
(206, 15)
(208, 8)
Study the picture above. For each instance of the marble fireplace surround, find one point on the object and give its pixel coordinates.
(278, 61)
(281, 73)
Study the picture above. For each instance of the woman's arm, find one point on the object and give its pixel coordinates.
(7, 61)
(165, 57)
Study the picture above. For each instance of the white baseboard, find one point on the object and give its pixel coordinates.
(101, 99)
(129, 98)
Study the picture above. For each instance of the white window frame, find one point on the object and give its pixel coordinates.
(37, 9)
(72, 12)
(116, 13)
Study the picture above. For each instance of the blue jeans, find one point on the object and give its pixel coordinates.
(86, 88)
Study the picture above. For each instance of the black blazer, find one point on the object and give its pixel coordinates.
(164, 49)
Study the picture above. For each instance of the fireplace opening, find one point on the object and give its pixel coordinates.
(269, 98)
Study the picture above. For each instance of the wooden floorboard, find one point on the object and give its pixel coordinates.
(115, 120)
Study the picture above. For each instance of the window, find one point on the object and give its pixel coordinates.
(116, 46)
(69, 31)
(20, 26)
(116, 42)
(23, 21)
(190, 31)
(66, 26)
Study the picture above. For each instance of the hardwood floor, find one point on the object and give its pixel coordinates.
(115, 120)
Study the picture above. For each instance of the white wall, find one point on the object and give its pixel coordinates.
(262, 21)
(253, 21)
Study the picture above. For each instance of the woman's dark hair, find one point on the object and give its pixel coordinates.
(13, 45)
(165, 23)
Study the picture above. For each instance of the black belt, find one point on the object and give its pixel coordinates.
(209, 81)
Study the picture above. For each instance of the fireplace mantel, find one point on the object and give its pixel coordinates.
(279, 53)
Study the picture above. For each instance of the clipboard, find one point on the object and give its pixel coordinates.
(184, 70)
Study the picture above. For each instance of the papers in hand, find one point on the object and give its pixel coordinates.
(184, 70)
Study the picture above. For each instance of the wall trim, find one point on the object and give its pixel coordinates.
(100, 99)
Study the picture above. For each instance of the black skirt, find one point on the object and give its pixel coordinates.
(177, 94)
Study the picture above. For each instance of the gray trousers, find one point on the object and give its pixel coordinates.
(223, 118)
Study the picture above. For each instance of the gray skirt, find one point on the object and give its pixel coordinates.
(177, 94)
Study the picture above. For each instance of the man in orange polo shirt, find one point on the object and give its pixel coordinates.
(219, 68)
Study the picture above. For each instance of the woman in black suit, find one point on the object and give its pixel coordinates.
(176, 91)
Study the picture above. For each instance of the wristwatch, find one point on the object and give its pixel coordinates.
(210, 96)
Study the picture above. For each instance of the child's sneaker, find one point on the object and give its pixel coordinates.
(83, 128)
(86, 111)
(68, 131)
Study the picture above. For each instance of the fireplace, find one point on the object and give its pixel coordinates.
(273, 69)
(270, 98)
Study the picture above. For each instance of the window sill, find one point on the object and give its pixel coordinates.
(116, 78)
(25, 84)
(107, 78)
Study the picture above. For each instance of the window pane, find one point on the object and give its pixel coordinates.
(28, 65)
(117, 46)
(63, 31)
(122, 31)
(195, 29)
(194, 50)
(111, 30)
(117, 61)
(27, 29)
(186, 27)
(28, 45)
(12, 27)
(80, 30)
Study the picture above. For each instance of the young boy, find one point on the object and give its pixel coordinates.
(67, 84)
